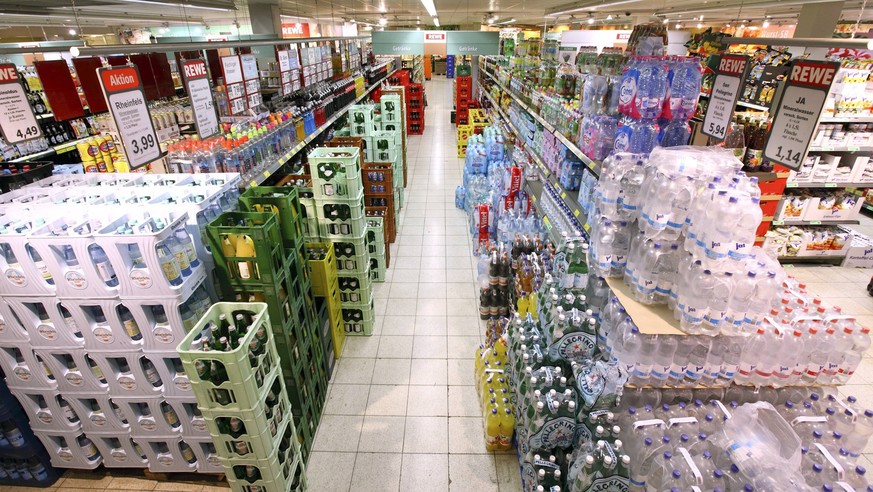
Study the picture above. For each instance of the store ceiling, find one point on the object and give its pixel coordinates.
(96, 15)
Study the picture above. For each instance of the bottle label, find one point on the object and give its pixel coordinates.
(127, 382)
(164, 334)
(47, 331)
(171, 269)
(16, 277)
(677, 370)
(45, 417)
(612, 483)
(574, 346)
(140, 278)
(74, 378)
(244, 271)
(582, 436)
(590, 384)
(555, 433)
(23, 373)
(119, 455)
(103, 334)
(104, 270)
(547, 464)
(76, 279)
(182, 383)
(627, 91)
(199, 424)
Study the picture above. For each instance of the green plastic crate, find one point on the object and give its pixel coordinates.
(358, 319)
(282, 200)
(336, 172)
(273, 475)
(355, 286)
(377, 268)
(340, 220)
(268, 265)
(351, 254)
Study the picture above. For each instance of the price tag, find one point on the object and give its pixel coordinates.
(586, 227)
(17, 122)
(854, 149)
(576, 213)
(126, 101)
(231, 67)
(791, 185)
(826, 148)
(253, 184)
(778, 222)
(797, 114)
(266, 174)
(830, 185)
(200, 94)
(563, 195)
(725, 90)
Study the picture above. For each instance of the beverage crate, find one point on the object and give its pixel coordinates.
(207, 456)
(168, 454)
(355, 287)
(336, 172)
(381, 201)
(326, 328)
(99, 413)
(245, 378)
(378, 179)
(378, 267)
(134, 373)
(24, 276)
(280, 298)
(70, 449)
(358, 319)
(173, 275)
(77, 372)
(323, 271)
(398, 200)
(270, 475)
(24, 369)
(176, 383)
(259, 436)
(42, 320)
(351, 254)
(266, 267)
(193, 421)
(99, 322)
(333, 307)
(388, 221)
(376, 235)
(282, 201)
(152, 416)
(339, 220)
(119, 450)
(46, 409)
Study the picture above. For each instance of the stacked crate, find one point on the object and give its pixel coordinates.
(277, 274)
(325, 286)
(242, 395)
(381, 191)
(463, 97)
(339, 205)
(450, 67)
(394, 93)
(23, 459)
(377, 249)
(415, 109)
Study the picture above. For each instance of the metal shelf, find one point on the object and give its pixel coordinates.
(815, 222)
(258, 175)
(57, 149)
(811, 259)
(828, 185)
(847, 119)
(753, 106)
(858, 148)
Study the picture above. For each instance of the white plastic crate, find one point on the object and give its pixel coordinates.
(119, 450)
(193, 421)
(70, 449)
(22, 276)
(126, 374)
(45, 411)
(73, 371)
(177, 384)
(24, 369)
(152, 416)
(101, 324)
(10, 328)
(46, 323)
(168, 454)
(207, 457)
(99, 413)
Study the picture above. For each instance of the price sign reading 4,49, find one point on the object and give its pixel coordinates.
(126, 100)
(797, 114)
(17, 122)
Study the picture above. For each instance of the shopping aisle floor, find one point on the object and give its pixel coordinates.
(402, 411)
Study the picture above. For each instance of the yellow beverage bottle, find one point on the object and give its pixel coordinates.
(245, 248)
(492, 430)
(532, 305)
(479, 359)
(506, 425)
(523, 305)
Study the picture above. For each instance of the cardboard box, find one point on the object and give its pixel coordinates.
(860, 253)
(836, 205)
(825, 241)
(792, 207)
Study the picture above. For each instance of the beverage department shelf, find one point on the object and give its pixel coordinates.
(741, 103)
(847, 119)
(257, 176)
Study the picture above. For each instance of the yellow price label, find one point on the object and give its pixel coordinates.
(533, 198)
(253, 184)
(266, 174)
(563, 195)
(576, 213)
(586, 227)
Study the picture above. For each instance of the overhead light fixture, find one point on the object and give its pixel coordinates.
(436, 21)
(430, 7)
(508, 21)
(765, 24)
(368, 28)
(72, 32)
(586, 4)
(727, 25)
(74, 50)
(490, 21)
(678, 26)
(700, 25)
(742, 26)
(418, 29)
(186, 5)
(383, 21)
(609, 17)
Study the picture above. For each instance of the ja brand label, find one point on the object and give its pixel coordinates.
(126, 101)
(17, 122)
(725, 91)
(798, 111)
(200, 94)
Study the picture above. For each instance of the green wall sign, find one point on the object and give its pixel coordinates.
(398, 42)
(472, 43)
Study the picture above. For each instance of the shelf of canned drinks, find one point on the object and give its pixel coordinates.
(258, 175)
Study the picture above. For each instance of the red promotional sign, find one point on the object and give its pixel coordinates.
(732, 64)
(120, 79)
(813, 74)
(483, 223)
(295, 30)
(195, 69)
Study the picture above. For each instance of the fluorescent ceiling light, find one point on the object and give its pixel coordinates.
(436, 21)
(383, 21)
(508, 21)
(593, 5)
(430, 7)
(591, 20)
(72, 32)
(746, 5)
(185, 5)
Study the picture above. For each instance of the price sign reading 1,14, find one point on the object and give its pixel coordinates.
(790, 155)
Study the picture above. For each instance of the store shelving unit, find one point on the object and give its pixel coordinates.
(57, 149)
(415, 64)
(257, 176)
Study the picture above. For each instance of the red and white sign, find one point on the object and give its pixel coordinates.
(622, 36)
(295, 30)
(200, 95)
(732, 64)
(122, 87)
(17, 122)
(725, 91)
(435, 36)
(813, 74)
(231, 67)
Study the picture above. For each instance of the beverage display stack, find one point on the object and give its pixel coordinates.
(23, 459)
(377, 249)
(241, 393)
(259, 256)
(103, 298)
(339, 206)
(325, 287)
(450, 66)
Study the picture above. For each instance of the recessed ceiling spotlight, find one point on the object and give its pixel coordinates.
(700, 25)
(72, 32)
(666, 20)
(590, 20)
(609, 17)
(765, 24)
(678, 26)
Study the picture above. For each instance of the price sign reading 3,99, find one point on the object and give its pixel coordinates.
(17, 122)
(126, 100)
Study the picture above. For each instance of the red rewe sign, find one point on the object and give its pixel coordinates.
(295, 30)
(435, 37)
(120, 79)
(195, 69)
(732, 64)
(813, 74)
(8, 73)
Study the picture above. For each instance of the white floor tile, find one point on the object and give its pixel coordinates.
(376, 472)
(387, 399)
(472, 472)
(425, 473)
(382, 434)
(426, 435)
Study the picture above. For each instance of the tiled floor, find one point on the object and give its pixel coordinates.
(402, 412)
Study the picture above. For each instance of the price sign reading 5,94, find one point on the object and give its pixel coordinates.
(17, 122)
(127, 104)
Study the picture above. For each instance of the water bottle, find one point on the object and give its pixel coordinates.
(675, 134)
(651, 89)
(684, 89)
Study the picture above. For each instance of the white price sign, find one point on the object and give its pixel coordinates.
(725, 91)
(284, 62)
(249, 67)
(17, 122)
(127, 104)
(798, 111)
(232, 69)
(200, 94)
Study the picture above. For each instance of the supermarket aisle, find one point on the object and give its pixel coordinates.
(402, 410)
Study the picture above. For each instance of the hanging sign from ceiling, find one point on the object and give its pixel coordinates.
(796, 116)
(17, 122)
(472, 43)
(126, 100)
(725, 91)
(200, 94)
(398, 42)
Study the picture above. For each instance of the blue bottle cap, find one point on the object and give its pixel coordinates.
(860, 470)
(717, 473)
(668, 455)
(648, 441)
(677, 473)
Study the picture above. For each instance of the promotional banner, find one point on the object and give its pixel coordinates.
(126, 100)
(398, 42)
(472, 43)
